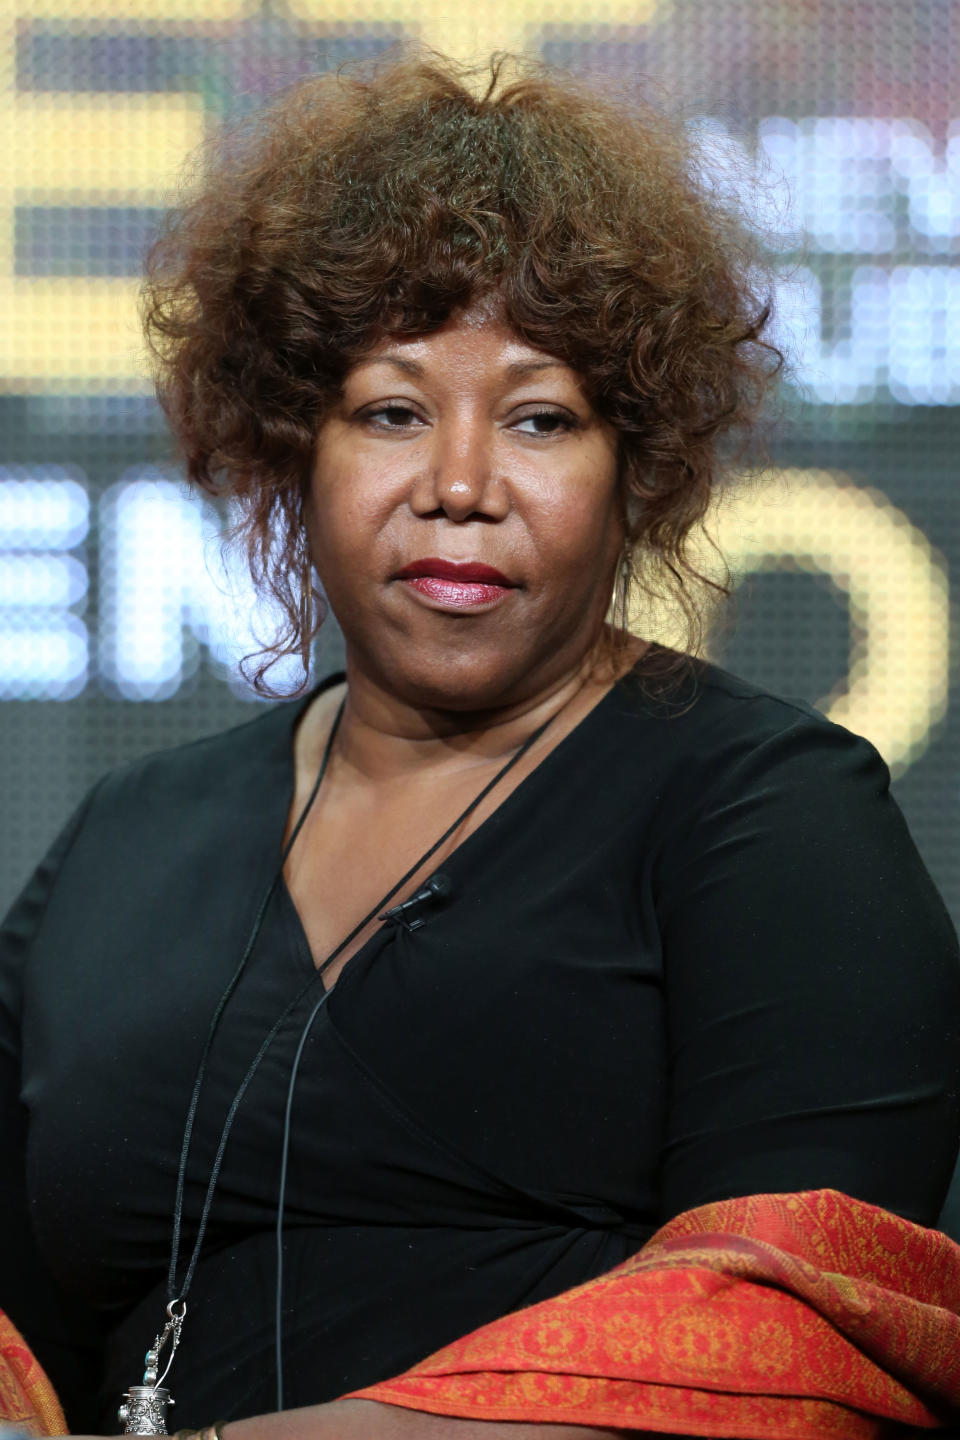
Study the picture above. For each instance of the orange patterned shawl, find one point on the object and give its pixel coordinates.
(27, 1399)
(776, 1317)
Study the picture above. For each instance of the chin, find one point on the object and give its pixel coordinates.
(462, 682)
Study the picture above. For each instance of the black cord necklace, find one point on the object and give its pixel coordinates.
(145, 1405)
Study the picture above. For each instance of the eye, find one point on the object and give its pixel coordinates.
(392, 416)
(544, 423)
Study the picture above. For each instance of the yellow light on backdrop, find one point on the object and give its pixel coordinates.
(471, 32)
(90, 150)
(68, 334)
(71, 334)
(148, 12)
(896, 687)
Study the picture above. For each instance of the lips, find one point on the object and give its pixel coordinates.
(455, 585)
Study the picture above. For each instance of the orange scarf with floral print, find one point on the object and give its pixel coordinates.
(27, 1399)
(775, 1317)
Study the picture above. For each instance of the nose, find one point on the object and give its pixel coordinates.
(459, 479)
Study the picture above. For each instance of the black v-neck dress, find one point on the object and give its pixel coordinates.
(693, 955)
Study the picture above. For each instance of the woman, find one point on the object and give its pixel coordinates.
(602, 936)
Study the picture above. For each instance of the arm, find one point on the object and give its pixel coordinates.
(812, 985)
(813, 999)
(61, 1333)
(368, 1420)
(813, 992)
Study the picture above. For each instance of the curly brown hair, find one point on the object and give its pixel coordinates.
(381, 201)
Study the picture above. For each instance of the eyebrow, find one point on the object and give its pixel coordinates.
(516, 370)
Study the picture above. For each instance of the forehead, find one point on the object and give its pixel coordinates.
(471, 341)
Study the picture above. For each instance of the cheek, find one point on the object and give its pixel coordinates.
(585, 513)
(344, 524)
(584, 535)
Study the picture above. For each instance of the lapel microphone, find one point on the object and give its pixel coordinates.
(437, 888)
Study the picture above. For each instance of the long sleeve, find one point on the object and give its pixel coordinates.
(812, 1007)
(812, 986)
(62, 1332)
(693, 955)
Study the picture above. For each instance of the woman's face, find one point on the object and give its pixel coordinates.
(464, 517)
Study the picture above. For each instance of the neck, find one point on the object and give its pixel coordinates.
(383, 738)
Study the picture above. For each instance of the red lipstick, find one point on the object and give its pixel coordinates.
(454, 584)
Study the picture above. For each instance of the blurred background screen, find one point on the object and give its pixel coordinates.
(120, 624)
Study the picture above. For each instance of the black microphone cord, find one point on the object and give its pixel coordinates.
(176, 1295)
(439, 886)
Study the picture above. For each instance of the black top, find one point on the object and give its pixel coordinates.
(693, 955)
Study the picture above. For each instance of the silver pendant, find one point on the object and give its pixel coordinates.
(144, 1411)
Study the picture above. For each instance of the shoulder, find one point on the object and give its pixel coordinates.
(185, 819)
(706, 727)
(245, 761)
(716, 756)
(164, 836)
